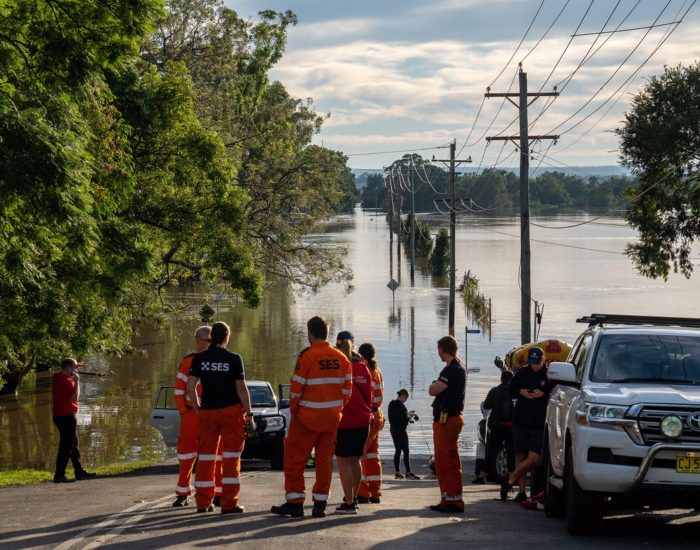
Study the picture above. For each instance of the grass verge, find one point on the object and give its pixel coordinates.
(11, 478)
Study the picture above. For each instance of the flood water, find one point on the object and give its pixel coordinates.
(575, 271)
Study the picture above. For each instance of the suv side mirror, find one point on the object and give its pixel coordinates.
(562, 373)
(284, 403)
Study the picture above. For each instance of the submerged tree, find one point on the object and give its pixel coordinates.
(439, 260)
(660, 142)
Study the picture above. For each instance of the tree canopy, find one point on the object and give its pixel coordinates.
(143, 145)
(660, 142)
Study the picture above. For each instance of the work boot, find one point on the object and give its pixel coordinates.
(374, 500)
(217, 501)
(293, 509)
(180, 501)
(319, 510)
(520, 497)
(447, 508)
(362, 500)
(62, 479)
(237, 509)
(505, 489)
(209, 508)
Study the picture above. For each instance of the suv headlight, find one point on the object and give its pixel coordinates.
(274, 423)
(608, 417)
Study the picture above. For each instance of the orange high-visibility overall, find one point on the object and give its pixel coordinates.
(371, 486)
(448, 465)
(187, 447)
(319, 387)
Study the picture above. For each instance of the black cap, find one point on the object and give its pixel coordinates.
(345, 335)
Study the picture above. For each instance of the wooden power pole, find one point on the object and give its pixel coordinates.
(453, 163)
(523, 142)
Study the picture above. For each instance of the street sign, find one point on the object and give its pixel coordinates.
(392, 285)
(473, 331)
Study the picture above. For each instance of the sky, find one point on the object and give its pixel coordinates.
(411, 75)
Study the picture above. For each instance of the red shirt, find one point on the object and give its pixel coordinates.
(357, 412)
(63, 388)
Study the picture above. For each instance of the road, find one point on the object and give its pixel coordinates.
(133, 511)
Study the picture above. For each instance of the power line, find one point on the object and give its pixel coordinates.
(398, 151)
(628, 30)
(546, 32)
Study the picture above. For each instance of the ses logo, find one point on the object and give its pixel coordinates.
(215, 367)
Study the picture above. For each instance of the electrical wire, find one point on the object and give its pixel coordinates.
(545, 32)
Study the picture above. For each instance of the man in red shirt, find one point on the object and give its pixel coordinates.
(66, 392)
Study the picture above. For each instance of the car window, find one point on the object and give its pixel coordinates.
(165, 398)
(581, 354)
(261, 396)
(648, 357)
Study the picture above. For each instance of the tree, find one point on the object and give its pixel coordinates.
(439, 260)
(660, 142)
(374, 193)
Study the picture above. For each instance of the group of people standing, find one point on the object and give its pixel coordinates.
(336, 397)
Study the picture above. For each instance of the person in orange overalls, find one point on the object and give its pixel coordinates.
(449, 391)
(371, 486)
(320, 386)
(222, 412)
(187, 436)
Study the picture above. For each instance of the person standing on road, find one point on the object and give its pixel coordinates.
(531, 388)
(65, 388)
(353, 429)
(223, 411)
(320, 386)
(187, 436)
(399, 419)
(371, 487)
(449, 392)
(500, 423)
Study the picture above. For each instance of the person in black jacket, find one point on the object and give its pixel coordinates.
(500, 424)
(531, 388)
(399, 419)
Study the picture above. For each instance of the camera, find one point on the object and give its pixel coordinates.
(412, 417)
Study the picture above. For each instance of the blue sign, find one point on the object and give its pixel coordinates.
(473, 331)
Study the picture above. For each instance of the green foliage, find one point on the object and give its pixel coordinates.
(439, 260)
(424, 241)
(374, 193)
(475, 301)
(660, 142)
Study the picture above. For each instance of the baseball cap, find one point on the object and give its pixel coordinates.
(345, 335)
(534, 356)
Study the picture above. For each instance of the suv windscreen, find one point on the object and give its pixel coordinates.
(261, 396)
(647, 358)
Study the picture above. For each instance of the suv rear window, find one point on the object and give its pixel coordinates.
(647, 358)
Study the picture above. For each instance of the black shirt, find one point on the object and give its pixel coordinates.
(500, 403)
(530, 413)
(218, 369)
(398, 416)
(452, 399)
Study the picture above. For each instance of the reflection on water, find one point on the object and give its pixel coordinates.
(404, 325)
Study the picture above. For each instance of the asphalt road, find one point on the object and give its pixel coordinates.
(133, 511)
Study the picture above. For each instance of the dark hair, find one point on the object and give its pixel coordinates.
(368, 351)
(448, 345)
(219, 332)
(506, 376)
(318, 327)
(70, 362)
(402, 391)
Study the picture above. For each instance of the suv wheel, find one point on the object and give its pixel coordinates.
(277, 459)
(584, 509)
(497, 466)
(554, 502)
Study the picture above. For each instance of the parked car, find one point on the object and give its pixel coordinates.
(271, 415)
(623, 423)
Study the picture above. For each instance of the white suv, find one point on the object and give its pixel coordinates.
(623, 423)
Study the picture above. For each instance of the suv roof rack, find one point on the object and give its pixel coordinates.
(614, 319)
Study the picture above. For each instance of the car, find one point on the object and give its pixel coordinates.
(623, 422)
(271, 416)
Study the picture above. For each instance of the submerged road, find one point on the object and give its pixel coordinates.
(133, 511)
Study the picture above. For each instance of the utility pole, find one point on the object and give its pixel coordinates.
(453, 163)
(413, 231)
(398, 234)
(523, 141)
(389, 185)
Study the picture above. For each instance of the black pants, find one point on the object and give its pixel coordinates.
(400, 439)
(67, 445)
(498, 435)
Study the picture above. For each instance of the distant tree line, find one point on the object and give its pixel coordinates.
(494, 191)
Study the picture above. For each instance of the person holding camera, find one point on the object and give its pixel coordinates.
(399, 419)
(65, 388)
